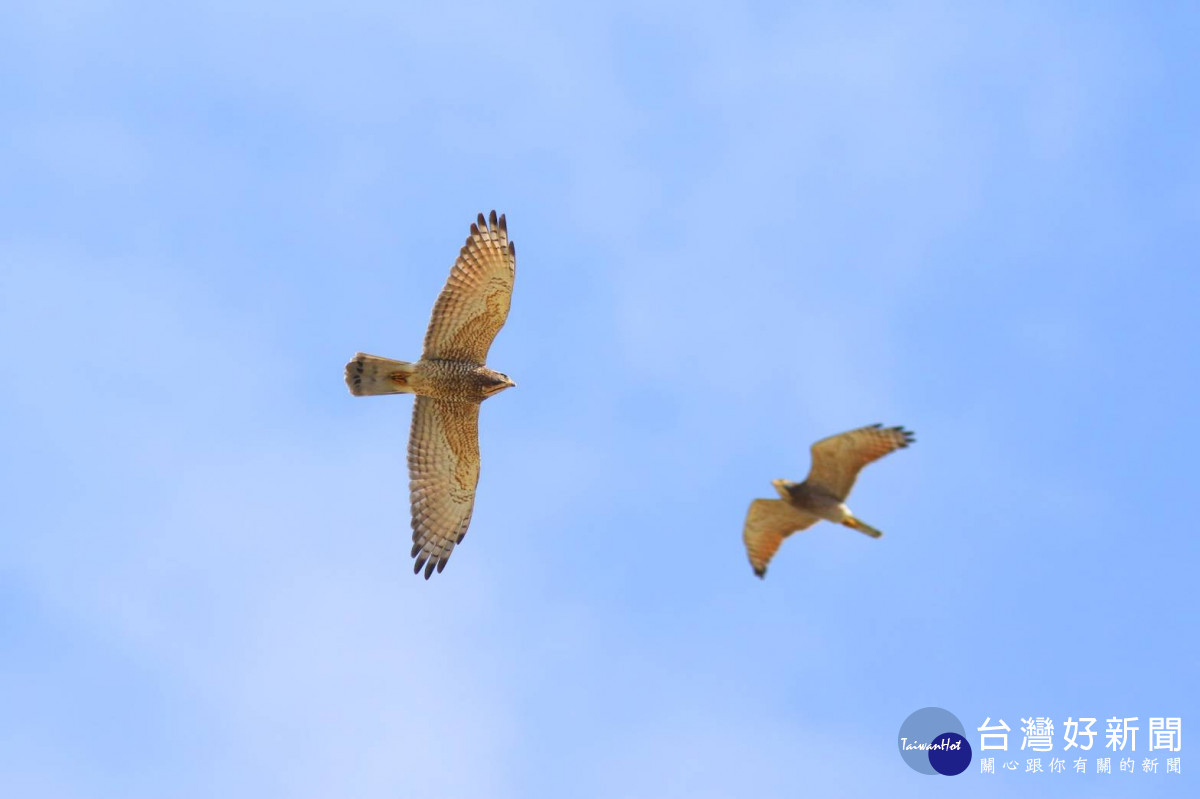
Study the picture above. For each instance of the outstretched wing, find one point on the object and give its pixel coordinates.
(474, 303)
(768, 522)
(443, 470)
(837, 460)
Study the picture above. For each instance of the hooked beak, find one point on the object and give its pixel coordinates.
(495, 388)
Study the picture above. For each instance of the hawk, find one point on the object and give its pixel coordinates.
(450, 382)
(836, 462)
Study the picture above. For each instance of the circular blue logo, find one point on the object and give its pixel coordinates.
(933, 741)
(950, 754)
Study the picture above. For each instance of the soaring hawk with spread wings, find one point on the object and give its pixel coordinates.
(450, 382)
(836, 462)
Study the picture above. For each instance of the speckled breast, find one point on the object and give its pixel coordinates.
(451, 380)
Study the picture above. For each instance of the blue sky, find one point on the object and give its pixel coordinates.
(739, 229)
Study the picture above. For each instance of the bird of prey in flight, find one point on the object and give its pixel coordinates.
(450, 381)
(836, 462)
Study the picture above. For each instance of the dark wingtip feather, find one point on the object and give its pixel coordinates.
(492, 218)
(481, 221)
(429, 569)
(503, 223)
(420, 556)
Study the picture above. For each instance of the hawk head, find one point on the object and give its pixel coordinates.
(783, 486)
(494, 383)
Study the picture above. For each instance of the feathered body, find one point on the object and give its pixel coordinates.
(457, 381)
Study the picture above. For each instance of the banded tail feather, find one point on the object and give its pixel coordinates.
(371, 375)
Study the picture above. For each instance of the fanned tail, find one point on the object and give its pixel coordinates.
(369, 375)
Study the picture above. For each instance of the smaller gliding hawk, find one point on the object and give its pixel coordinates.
(836, 462)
